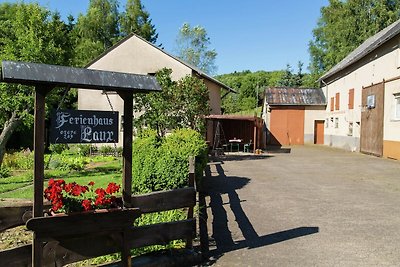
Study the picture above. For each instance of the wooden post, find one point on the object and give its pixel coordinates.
(127, 148)
(255, 137)
(38, 177)
(189, 240)
(126, 259)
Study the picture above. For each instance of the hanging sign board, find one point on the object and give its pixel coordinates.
(83, 126)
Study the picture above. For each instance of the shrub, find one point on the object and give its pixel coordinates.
(162, 163)
(66, 162)
(106, 150)
(19, 160)
(5, 172)
(58, 148)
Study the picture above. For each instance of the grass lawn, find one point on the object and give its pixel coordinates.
(100, 172)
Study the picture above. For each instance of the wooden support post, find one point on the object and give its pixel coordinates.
(127, 148)
(189, 240)
(255, 137)
(125, 251)
(203, 217)
(38, 178)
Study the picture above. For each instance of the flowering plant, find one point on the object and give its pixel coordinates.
(72, 197)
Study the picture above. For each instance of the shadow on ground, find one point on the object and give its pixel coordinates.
(238, 157)
(216, 187)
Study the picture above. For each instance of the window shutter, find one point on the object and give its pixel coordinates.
(351, 99)
(332, 103)
(337, 102)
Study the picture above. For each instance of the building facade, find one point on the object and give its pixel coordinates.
(133, 54)
(363, 95)
(293, 116)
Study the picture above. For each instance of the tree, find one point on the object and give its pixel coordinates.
(136, 20)
(181, 104)
(344, 25)
(192, 47)
(96, 31)
(28, 33)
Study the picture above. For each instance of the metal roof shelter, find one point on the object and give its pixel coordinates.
(44, 78)
(246, 128)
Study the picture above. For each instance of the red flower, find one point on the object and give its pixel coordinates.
(87, 204)
(68, 187)
(112, 188)
(60, 194)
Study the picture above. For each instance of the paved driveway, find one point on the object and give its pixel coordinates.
(316, 206)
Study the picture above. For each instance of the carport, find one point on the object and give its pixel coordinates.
(228, 127)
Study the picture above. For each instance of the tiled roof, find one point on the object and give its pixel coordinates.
(294, 96)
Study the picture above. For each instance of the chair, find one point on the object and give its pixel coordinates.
(247, 146)
(234, 146)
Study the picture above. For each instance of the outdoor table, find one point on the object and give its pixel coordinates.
(234, 144)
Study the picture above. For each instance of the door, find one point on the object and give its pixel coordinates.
(319, 132)
(371, 136)
(287, 126)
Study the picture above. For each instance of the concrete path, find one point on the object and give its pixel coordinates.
(315, 206)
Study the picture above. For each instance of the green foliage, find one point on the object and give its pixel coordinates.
(66, 162)
(19, 160)
(5, 172)
(28, 32)
(58, 148)
(181, 104)
(162, 163)
(250, 86)
(344, 25)
(136, 20)
(193, 48)
(96, 31)
(106, 150)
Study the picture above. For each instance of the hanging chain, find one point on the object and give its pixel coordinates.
(58, 108)
(63, 98)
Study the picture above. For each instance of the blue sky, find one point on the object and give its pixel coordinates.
(247, 35)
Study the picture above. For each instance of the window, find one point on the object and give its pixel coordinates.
(332, 121)
(337, 101)
(336, 122)
(326, 123)
(350, 133)
(351, 99)
(397, 106)
(332, 103)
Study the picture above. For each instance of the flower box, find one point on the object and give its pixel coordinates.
(63, 225)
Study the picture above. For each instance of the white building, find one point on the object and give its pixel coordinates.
(363, 95)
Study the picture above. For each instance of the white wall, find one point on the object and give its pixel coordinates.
(136, 56)
(380, 65)
(312, 114)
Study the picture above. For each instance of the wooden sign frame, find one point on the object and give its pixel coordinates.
(44, 78)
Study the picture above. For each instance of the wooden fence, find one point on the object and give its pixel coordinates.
(62, 250)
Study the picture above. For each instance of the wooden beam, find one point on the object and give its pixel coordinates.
(61, 76)
(160, 234)
(16, 212)
(191, 178)
(82, 223)
(127, 148)
(68, 250)
(38, 173)
(165, 200)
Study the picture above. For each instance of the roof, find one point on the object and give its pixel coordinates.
(365, 48)
(233, 117)
(294, 96)
(195, 69)
(53, 75)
